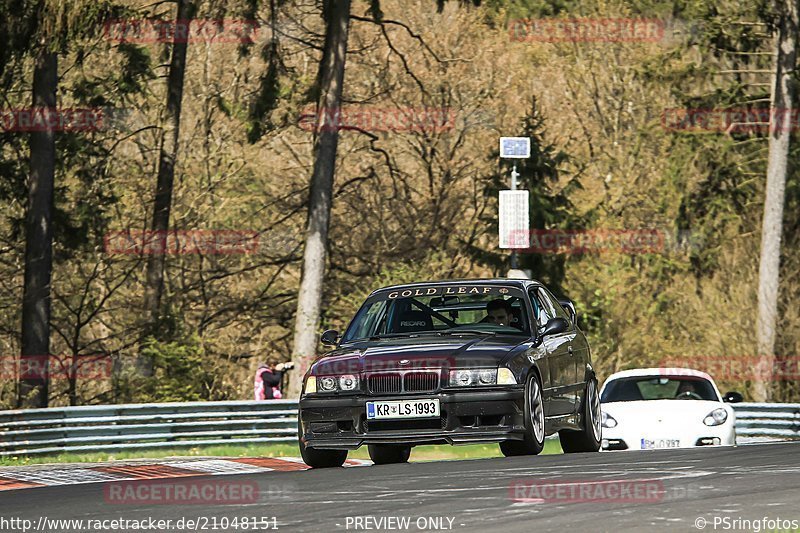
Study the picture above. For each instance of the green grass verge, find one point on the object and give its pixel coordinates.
(419, 453)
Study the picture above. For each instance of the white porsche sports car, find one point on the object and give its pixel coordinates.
(652, 408)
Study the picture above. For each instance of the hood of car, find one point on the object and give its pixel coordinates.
(666, 411)
(422, 352)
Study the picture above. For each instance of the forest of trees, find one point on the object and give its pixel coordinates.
(220, 137)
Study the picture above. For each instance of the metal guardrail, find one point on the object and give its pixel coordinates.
(166, 425)
(154, 425)
(781, 420)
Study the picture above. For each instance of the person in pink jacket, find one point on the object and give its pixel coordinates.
(267, 384)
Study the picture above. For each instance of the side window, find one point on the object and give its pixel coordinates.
(542, 310)
(559, 311)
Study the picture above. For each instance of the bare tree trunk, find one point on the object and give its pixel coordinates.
(33, 386)
(783, 98)
(166, 176)
(331, 79)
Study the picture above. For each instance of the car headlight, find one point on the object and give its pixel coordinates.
(326, 384)
(348, 382)
(311, 385)
(344, 383)
(505, 377)
(608, 420)
(461, 378)
(482, 376)
(716, 417)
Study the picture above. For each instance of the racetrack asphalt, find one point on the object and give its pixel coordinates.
(656, 490)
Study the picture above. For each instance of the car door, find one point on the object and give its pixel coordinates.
(559, 359)
(577, 350)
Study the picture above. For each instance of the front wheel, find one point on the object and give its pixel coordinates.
(588, 439)
(533, 441)
(386, 454)
(320, 458)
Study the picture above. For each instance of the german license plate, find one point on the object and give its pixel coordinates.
(654, 444)
(403, 409)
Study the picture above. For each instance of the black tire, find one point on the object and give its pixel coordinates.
(386, 454)
(588, 439)
(320, 458)
(533, 441)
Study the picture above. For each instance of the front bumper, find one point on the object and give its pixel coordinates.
(340, 422)
(695, 435)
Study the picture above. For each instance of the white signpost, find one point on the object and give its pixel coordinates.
(514, 219)
(514, 216)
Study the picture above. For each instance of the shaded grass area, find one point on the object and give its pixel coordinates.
(419, 453)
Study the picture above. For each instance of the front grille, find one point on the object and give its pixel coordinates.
(384, 383)
(403, 381)
(420, 381)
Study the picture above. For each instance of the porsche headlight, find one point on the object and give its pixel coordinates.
(716, 417)
(311, 385)
(608, 420)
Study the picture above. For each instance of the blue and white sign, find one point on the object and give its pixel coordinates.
(515, 147)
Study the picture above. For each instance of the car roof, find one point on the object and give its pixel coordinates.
(660, 371)
(514, 282)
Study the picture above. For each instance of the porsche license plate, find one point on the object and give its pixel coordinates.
(403, 409)
(654, 444)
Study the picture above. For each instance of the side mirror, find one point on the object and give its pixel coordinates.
(330, 337)
(732, 397)
(555, 326)
(570, 308)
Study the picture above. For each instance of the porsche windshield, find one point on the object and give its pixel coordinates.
(658, 388)
(445, 310)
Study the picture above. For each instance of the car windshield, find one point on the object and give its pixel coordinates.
(658, 388)
(441, 310)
